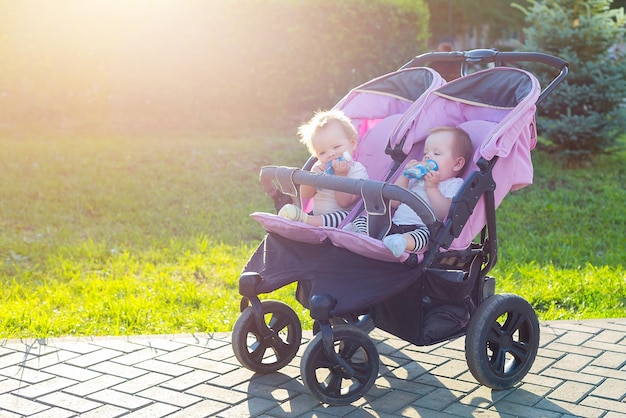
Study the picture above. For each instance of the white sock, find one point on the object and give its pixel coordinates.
(358, 225)
(396, 243)
(352, 227)
(293, 212)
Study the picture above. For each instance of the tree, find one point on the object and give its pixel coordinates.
(487, 20)
(617, 4)
(585, 114)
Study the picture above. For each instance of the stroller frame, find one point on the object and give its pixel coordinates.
(340, 364)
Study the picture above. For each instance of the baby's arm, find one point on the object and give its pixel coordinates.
(403, 181)
(307, 192)
(341, 167)
(345, 200)
(438, 202)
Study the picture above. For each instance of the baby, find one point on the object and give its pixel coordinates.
(332, 139)
(450, 148)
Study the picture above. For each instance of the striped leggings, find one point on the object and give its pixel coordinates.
(334, 219)
(419, 233)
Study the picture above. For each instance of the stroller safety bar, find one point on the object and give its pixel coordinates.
(374, 193)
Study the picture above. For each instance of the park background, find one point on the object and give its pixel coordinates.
(132, 133)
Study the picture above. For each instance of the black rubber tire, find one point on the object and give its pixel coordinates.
(243, 304)
(502, 340)
(326, 380)
(262, 355)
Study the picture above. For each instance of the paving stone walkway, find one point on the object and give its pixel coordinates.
(580, 371)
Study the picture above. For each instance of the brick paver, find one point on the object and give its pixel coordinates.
(580, 370)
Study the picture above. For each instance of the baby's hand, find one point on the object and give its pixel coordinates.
(341, 167)
(411, 163)
(432, 179)
(318, 167)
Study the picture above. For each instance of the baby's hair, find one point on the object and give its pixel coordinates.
(462, 142)
(322, 118)
(445, 47)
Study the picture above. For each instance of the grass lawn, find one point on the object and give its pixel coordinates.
(119, 236)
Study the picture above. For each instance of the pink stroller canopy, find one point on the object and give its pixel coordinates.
(390, 94)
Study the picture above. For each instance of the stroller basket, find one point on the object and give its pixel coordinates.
(350, 282)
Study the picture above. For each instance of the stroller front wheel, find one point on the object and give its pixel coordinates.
(334, 383)
(267, 350)
(502, 340)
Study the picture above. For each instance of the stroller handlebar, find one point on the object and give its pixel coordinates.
(498, 58)
(487, 55)
(286, 179)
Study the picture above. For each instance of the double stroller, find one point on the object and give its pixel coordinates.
(352, 283)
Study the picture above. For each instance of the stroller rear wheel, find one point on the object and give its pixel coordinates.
(344, 373)
(270, 349)
(502, 340)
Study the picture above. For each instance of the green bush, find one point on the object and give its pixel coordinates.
(584, 115)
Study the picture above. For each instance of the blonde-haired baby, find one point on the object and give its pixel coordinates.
(331, 137)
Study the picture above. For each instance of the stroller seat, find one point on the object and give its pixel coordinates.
(371, 153)
(506, 129)
(377, 109)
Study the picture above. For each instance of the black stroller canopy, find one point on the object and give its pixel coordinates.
(408, 84)
(499, 89)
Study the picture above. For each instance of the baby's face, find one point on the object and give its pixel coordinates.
(439, 146)
(330, 142)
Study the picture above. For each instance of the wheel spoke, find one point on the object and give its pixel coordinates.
(498, 358)
(520, 350)
(361, 372)
(277, 322)
(322, 362)
(513, 323)
(494, 332)
(280, 347)
(333, 384)
(348, 348)
(258, 351)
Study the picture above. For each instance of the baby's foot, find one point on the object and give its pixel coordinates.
(396, 243)
(293, 212)
(352, 227)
